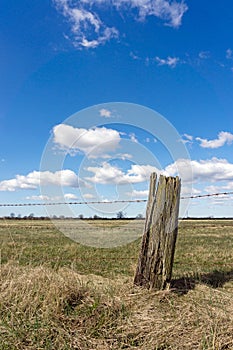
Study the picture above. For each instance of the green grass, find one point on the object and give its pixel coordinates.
(58, 294)
(202, 246)
(40, 242)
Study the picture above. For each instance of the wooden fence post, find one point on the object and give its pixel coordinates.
(156, 257)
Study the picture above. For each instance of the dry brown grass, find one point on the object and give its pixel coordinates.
(200, 319)
(44, 309)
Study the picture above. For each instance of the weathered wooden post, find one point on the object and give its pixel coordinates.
(156, 257)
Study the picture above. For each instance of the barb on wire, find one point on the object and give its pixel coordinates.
(108, 202)
(208, 195)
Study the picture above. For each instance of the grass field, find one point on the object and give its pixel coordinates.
(58, 294)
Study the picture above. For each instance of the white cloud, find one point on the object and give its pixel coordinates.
(92, 142)
(36, 178)
(124, 156)
(220, 201)
(109, 174)
(133, 138)
(223, 138)
(138, 194)
(89, 30)
(169, 61)
(213, 189)
(185, 191)
(210, 170)
(140, 173)
(169, 11)
(70, 196)
(204, 171)
(54, 198)
(105, 113)
(215, 173)
(39, 198)
(105, 174)
(187, 139)
(220, 188)
(108, 34)
(229, 186)
(88, 196)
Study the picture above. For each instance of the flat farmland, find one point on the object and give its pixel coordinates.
(59, 294)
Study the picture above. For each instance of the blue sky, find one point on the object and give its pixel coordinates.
(65, 63)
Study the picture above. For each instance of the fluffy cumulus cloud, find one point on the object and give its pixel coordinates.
(215, 173)
(223, 138)
(109, 174)
(89, 30)
(92, 142)
(213, 170)
(37, 178)
(210, 170)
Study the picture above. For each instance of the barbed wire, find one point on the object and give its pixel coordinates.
(208, 195)
(71, 203)
(108, 202)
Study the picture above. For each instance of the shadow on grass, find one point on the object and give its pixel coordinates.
(215, 279)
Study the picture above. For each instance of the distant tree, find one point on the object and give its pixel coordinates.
(12, 215)
(81, 216)
(31, 216)
(139, 216)
(19, 216)
(96, 217)
(120, 215)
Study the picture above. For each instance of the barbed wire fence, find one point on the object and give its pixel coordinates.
(110, 202)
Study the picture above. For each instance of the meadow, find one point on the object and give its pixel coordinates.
(58, 294)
